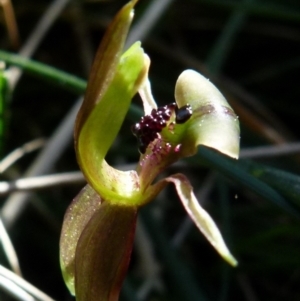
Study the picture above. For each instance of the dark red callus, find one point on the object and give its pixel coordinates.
(150, 125)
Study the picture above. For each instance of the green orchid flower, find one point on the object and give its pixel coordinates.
(99, 225)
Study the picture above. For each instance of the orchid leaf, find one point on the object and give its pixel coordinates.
(86, 203)
(200, 217)
(286, 183)
(238, 173)
(103, 253)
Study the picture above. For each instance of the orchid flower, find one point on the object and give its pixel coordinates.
(99, 225)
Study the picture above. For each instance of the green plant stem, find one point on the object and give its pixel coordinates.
(53, 75)
(57, 77)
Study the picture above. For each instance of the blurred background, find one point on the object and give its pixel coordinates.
(250, 51)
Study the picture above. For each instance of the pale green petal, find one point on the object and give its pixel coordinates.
(213, 122)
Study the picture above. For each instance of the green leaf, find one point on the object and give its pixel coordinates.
(287, 184)
(235, 171)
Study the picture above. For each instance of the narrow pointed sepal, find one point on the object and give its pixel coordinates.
(200, 217)
(115, 78)
(106, 62)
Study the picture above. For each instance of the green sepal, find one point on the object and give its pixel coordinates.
(78, 214)
(95, 245)
(114, 80)
(104, 123)
(105, 63)
(103, 253)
